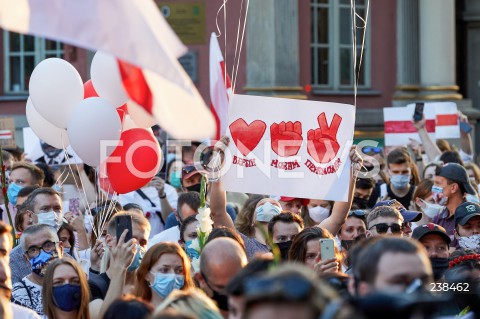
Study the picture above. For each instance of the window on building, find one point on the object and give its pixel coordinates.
(21, 54)
(332, 58)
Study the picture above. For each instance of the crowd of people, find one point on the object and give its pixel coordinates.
(406, 244)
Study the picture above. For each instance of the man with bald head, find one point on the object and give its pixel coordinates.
(220, 261)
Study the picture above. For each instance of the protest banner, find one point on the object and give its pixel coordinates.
(7, 132)
(289, 147)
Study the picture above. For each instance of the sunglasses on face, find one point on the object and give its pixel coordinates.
(357, 213)
(370, 149)
(382, 228)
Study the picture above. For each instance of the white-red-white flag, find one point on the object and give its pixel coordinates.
(446, 120)
(220, 87)
(134, 31)
(399, 127)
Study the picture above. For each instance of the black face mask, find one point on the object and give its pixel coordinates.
(347, 244)
(284, 248)
(194, 188)
(221, 300)
(439, 266)
(360, 202)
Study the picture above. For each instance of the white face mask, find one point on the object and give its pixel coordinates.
(318, 213)
(51, 218)
(472, 199)
(431, 210)
(470, 242)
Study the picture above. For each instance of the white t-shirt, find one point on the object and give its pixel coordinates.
(171, 235)
(28, 294)
(20, 312)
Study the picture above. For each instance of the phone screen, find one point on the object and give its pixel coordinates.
(121, 223)
(74, 206)
(418, 114)
(465, 127)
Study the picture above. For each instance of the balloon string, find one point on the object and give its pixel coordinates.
(241, 46)
(236, 44)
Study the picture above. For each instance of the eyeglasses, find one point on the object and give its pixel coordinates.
(357, 213)
(47, 247)
(382, 228)
(370, 149)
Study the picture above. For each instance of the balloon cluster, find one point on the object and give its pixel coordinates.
(96, 119)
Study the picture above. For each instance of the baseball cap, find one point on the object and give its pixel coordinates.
(304, 201)
(456, 173)
(430, 228)
(408, 215)
(464, 212)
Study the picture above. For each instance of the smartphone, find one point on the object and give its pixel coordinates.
(74, 206)
(465, 127)
(327, 248)
(121, 223)
(418, 114)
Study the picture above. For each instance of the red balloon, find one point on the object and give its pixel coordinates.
(134, 162)
(89, 90)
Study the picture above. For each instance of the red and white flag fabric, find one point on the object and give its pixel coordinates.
(399, 128)
(220, 87)
(446, 120)
(6, 134)
(134, 31)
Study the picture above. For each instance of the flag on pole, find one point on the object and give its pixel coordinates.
(133, 31)
(220, 87)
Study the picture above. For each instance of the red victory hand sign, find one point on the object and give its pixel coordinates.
(322, 144)
(286, 138)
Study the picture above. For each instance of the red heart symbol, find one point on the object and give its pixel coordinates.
(247, 136)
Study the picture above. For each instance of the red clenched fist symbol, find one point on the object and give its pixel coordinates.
(286, 138)
(322, 143)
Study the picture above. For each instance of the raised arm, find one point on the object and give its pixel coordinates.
(340, 210)
(431, 148)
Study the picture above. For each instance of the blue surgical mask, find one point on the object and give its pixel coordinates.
(399, 181)
(137, 259)
(67, 297)
(266, 212)
(191, 253)
(40, 263)
(438, 195)
(164, 284)
(175, 179)
(12, 192)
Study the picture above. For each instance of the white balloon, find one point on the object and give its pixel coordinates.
(55, 89)
(139, 115)
(94, 130)
(53, 135)
(106, 79)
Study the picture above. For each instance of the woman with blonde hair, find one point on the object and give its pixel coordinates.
(191, 302)
(244, 220)
(65, 291)
(164, 268)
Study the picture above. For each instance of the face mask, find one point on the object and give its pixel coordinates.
(439, 266)
(12, 192)
(194, 188)
(360, 202)
(284, 248)
(347, 244)
(40, 263)
(51, 218)
(220, 299)
(136, 260)
(67, 297)
(431, 210)
(400, 181)
(164, 284)
(438, 195)
(318, 213)
(191, 253)
(175, 180)
(470, 242)
(266, 212)
(472, 198)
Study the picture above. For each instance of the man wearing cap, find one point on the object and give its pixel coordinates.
(467, 226)
(450, 187)
(408, 215)
(293, 204)
(436, 241)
